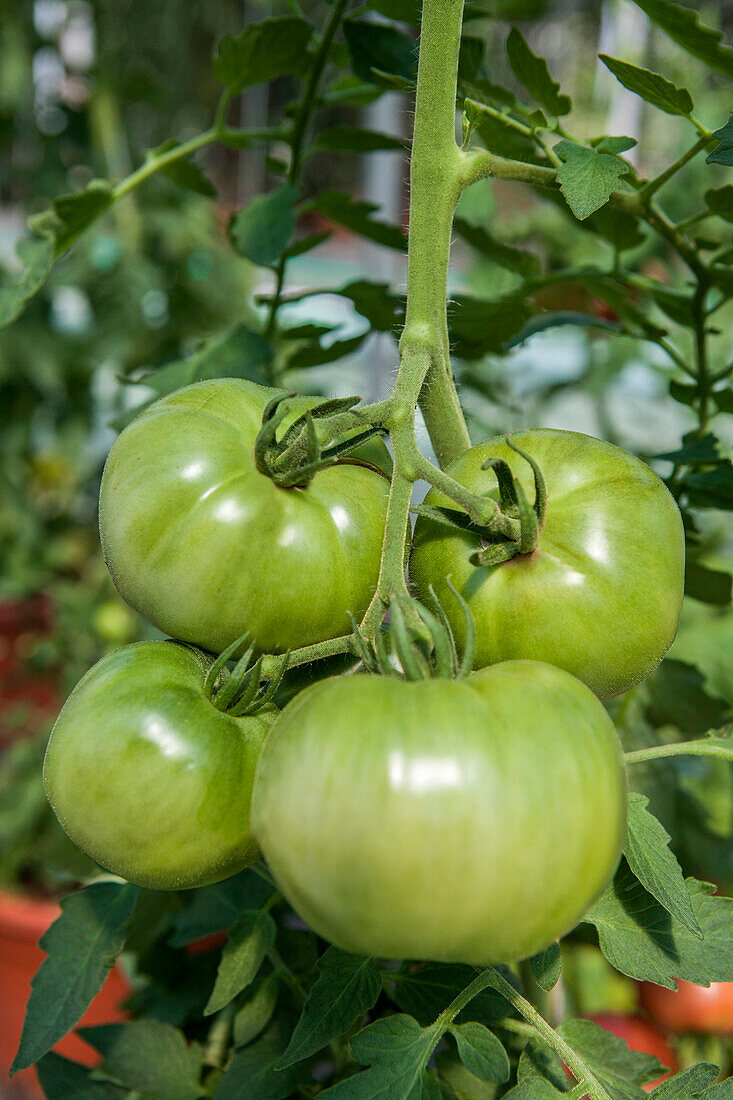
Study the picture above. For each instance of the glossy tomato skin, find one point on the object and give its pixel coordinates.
(691, 1007)
(600, 596)
(206, 547)
(148, 777)
(461, 821)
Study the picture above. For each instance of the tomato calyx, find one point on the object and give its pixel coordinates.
(243, 690)
(313, 441)
(422, 642)
(496, 547)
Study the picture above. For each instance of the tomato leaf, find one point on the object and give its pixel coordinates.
(540, 1065)
(262, 52)
(425, 991)
(652, 87)
(185, 173)
(710, 586)
(378, 52)
(82, 945)
(547, 967)
(150, 1057)
(70, 215)
(691, 1084)
(252, 1075)
(356, 215)
(397, 1050)
(723, 153)
(36, 257)
(314, 353)
(238, 352)
(347, 139)
(677, 697)
(609, 1058)
(347, 987)
(517, 260)
(536, 1090)
(587, 178)
(720, 201)
(250, 938)
(642, 940)
(655, 866)
(215, 908)
(481, 1052)
(261, 230)
(532, 72)
(478, 326)
(681, 24)
(711, 488)
(62, 1079)
(256, 1013)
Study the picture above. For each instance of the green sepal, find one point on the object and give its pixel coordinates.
(540, 486)
(496, 553)
(422, 640)
(293, 460)
(241, 691)
(508, 501)
(446, 517)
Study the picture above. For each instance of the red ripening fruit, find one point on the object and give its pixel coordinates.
(691, 1007)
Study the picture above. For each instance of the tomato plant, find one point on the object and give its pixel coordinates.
(690, 1007)
(600, 593)
(510, 780)
(148, 776)
(206, 546)
(364, 893)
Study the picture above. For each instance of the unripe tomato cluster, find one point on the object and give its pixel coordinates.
(470, 820)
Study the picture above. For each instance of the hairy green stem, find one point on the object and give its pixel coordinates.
(477, 164)
(492, 979)
(154, 162)
(681, 748)
(434, 192)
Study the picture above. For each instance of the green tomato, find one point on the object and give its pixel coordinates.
(206, 547)
(600, 596)
(463, 821)
(148, 777)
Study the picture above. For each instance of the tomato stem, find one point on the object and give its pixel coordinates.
(702, 747)
(492, 979)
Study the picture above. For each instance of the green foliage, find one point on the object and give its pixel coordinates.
(652, 87)
(621, 1070)
(723, 153)
(587, 177)
(251, 937)
(547, 967)
(683, 25)
(379, 53)
(396, 1049)
(347, 987)
(481, 1052)
(149, 1057)
(642, 940)
(81, 946)
(532, 72)
(262, 52)
(261, 230)
(655, 865)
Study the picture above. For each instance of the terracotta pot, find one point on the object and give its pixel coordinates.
(22, 922)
